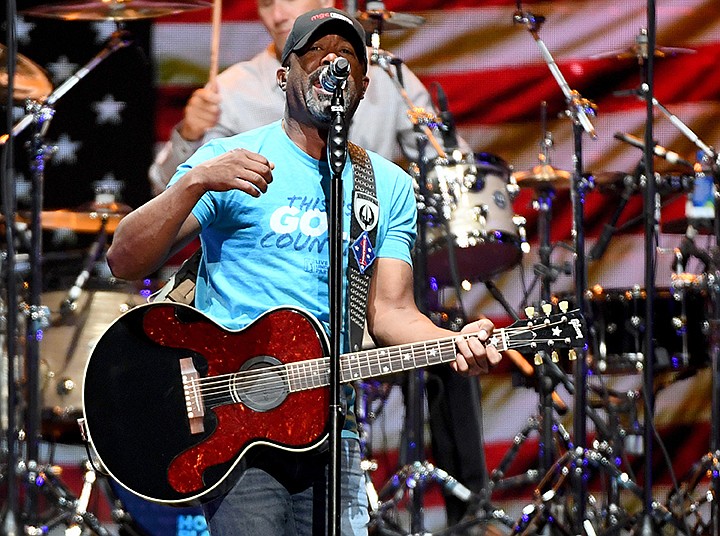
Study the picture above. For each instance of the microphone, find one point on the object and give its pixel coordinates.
(658, 150)
(334, 74)
(447, 129)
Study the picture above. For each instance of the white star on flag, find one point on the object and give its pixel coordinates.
(66, 150)
(61, 69)
(23, 30)
(108, 110)
(103, 30)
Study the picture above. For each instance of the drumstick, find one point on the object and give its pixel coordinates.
(215, 41)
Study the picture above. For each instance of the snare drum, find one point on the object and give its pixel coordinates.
(618, 329)
(469, 205)
(66, 347)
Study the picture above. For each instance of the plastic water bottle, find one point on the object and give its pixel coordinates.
(701, 201)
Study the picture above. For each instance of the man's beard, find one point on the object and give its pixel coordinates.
(318, 102)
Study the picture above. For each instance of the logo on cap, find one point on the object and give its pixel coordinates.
(332, 15)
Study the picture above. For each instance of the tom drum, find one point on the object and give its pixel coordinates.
(468, 205)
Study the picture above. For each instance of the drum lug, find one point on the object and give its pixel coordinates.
(512, 188)
(519, 222)
(480, 214)
(65, 386)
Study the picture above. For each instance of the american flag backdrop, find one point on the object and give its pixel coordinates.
(496, 81)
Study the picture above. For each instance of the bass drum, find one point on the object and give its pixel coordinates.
(66, 347)
(680, 329)
(138, 517)
(469, 206)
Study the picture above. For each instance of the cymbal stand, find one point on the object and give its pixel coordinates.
(645, 93)
(542, 511)
(416, 475)
(9, 521)
(37, 477)
(578, 110)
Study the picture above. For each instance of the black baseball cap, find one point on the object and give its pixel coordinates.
(330, 21)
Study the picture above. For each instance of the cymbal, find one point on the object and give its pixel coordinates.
(95, 10)
(635, 51)
(30, 82)
(87, 218)
(380, 19)
(543, 176)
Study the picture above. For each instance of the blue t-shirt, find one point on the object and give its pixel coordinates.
(260, 253)
(271, 251)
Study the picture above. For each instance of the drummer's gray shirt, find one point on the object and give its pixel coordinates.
(251, 98)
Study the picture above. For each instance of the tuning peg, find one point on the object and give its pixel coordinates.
(572, 355)
(554, 356)
(547, 308)
(530, 311)
(563, 306)
(538, 359)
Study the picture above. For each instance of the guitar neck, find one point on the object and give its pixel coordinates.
(380, 361)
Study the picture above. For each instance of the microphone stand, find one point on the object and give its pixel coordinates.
(336, 156)
(578, 110)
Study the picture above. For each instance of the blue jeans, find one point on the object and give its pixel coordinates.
(282, 493)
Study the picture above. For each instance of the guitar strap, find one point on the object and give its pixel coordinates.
(363, 235)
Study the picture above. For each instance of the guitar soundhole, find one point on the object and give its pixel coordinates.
(261, 385)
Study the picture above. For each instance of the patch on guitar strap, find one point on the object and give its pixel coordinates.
(366, 210)
(364, 252)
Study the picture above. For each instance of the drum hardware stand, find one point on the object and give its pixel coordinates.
(542, 511)
(38, 478)
(368, 392)
(578, 110)
(413, 476)
(629, 188)
(72, 510)
(684, 504)
(646, 42)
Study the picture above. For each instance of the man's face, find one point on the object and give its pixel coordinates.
(278, 16)
(304, 92)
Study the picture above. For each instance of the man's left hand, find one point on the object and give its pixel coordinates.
(473, 356)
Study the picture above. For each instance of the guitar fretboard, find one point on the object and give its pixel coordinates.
(376, 362)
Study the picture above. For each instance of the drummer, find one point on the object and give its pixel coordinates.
(246, 96)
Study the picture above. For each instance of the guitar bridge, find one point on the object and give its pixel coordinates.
(193, 395)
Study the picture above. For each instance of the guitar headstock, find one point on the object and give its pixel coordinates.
(548, 330)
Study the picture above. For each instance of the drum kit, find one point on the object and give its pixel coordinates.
(470, 233)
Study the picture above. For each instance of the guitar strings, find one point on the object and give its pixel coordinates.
(294, 376)
(259, 375)
(294, 373)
